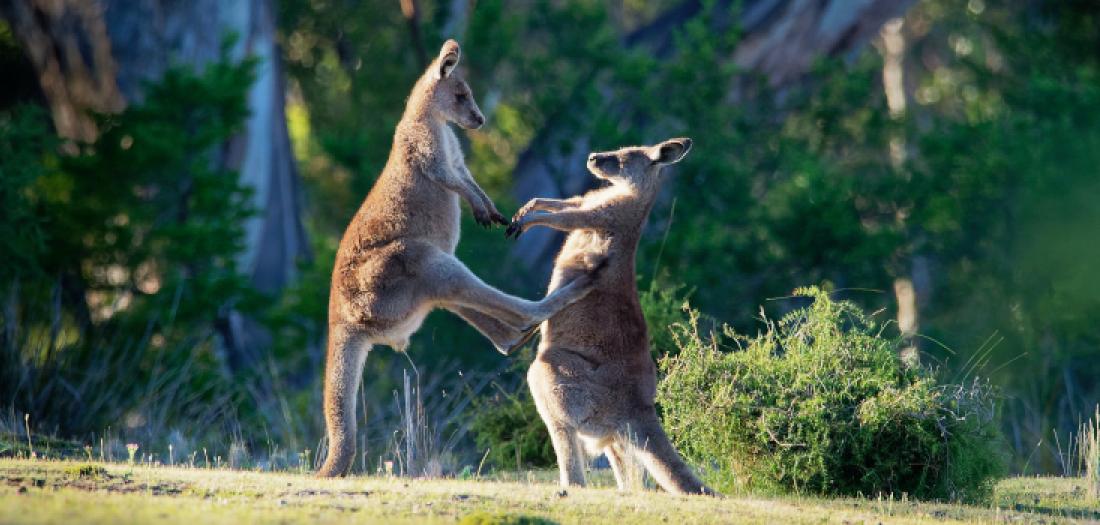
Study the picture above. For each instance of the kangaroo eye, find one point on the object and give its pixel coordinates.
(460, 97)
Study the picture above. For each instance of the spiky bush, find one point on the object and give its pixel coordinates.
(819, 402)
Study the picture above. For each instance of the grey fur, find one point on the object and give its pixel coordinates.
(396, 260)
(593, 380)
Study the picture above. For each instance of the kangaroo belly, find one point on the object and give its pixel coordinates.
(396, 335)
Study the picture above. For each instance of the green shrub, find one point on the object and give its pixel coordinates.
(509, 426)
(820, 403)
(663, 306)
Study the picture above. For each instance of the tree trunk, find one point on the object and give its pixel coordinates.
(97, 55)
(781, 39)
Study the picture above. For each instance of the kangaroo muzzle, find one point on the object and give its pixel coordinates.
(603, 164)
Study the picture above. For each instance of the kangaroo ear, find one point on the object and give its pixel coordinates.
(670, 151)
(448, 59)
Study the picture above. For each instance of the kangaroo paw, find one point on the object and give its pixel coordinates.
(483, 218)
(515, 229)
(598, 268)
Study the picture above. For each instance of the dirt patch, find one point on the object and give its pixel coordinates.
(93, 478)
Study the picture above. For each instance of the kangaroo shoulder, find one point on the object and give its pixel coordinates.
(608, 197)
(612, 202)
(416, 144)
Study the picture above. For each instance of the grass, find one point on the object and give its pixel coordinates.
(70, 492)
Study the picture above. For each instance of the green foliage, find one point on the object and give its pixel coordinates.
(145, 207)
(509, 427)
(663, 307)
(125, 253)
(24, 136)
(821, 403)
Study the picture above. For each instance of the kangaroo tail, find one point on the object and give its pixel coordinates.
(343, 373)
(651, 446)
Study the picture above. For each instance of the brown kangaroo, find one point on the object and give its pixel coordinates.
(396, 260)
(593, 379)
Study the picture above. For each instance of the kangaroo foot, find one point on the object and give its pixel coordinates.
(524, 338)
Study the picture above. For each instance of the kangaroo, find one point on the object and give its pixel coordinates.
(593, 379)
(396, 260)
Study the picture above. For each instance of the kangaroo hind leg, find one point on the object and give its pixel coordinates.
(347, 352)
(455, 286)
(651, 446)
(570, 455)
(626, 474)
(504, 337)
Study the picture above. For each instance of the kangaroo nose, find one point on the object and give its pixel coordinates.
(479, 119)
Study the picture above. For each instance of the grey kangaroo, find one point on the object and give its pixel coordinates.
(593, 379)
(396, 260)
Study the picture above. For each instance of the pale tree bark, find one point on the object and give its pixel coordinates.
(910, 288)
(97, 55)
(780, 41)
(891, 45)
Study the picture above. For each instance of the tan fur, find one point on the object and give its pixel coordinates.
(396, 260)
(593, 380)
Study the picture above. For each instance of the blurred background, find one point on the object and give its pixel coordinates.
(175, 177)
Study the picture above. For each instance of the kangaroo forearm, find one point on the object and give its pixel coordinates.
(540, 204)
(464, 190)
(566, 220)
(482, 197)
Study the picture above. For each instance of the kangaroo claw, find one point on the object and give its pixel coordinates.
(514, 230)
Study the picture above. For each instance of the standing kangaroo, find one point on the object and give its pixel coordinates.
(593, 379)
(396, 260)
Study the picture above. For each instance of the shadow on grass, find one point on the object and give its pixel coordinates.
(1046, 510)
(484, 518)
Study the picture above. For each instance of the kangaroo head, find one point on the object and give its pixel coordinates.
(639, 165)
(448, 94)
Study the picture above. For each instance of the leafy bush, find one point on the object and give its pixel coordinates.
(663, 306)
(820, 402)
(509, 426)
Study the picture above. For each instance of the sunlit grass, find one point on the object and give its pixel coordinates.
(69, 492)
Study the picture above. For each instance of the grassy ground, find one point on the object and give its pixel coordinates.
(81, 492)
